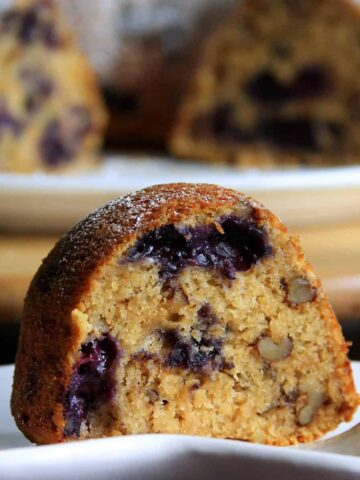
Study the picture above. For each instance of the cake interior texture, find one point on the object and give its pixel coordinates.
(275, 84)
(205, 328)
(182, 309)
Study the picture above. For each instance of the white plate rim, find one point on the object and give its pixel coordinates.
(300, 197)
(116, 171)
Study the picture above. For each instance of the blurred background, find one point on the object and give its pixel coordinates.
(143, 54)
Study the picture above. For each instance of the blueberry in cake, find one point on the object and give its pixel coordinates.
(180, 308)
(277, 84)
(51, 112)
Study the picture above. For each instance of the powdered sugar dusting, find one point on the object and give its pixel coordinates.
(134, 208)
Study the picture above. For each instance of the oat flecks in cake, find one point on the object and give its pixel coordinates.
(50, 121)
(257, 357)
(275, 86)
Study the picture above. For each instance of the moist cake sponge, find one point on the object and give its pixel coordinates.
(184, 309)
(275, 86)
(51, 112)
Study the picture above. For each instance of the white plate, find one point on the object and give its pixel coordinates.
(298, 196)
(160, 457)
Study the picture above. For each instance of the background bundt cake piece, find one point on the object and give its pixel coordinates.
(144, 52)
(51, 113)
(180, 309)
(278, 83)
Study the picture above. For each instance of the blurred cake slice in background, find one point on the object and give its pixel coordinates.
(145, 52)
(51, 112)
(278, 84)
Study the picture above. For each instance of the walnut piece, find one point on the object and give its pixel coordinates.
(273, 352)
(300, 291)
(315, 400)
(152, 395)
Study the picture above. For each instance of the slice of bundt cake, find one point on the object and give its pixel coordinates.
(180, 309)
(51, 113)
(278, 83)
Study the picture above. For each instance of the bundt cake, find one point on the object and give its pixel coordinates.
(145, 52)
(51, 112)
(184, 309)
(277, 84)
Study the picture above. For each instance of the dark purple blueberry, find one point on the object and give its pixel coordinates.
(38, 88)
(311, 81)
(264, 87)
(8, 122)
(30, 25)
(241, 246)
(203, 354)
(298, 133)
(222, 120)
(206, 316)
(54, 149)
(92, 383)
(220, 123)
(63, 137)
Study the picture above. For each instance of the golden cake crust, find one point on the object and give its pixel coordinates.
(42, 374)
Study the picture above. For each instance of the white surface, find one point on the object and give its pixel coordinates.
(297, 196)
(160, 457)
